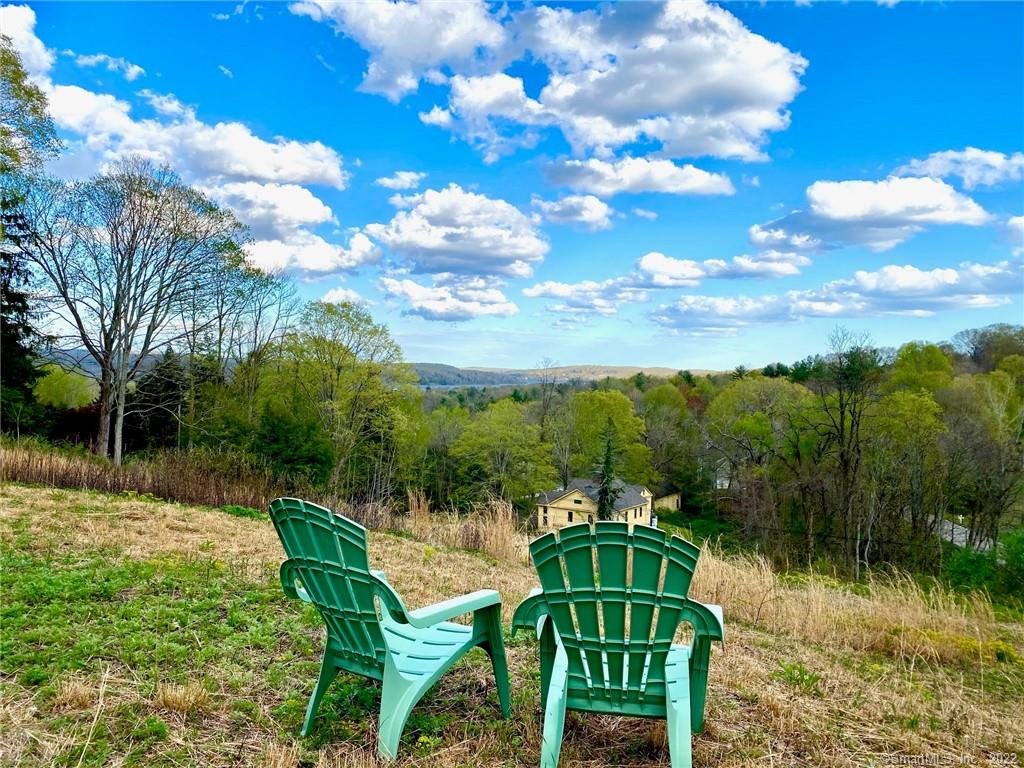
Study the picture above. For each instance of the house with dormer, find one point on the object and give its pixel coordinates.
(577, 503)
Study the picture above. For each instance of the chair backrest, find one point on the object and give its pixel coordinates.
(327, 554)
(616, 598)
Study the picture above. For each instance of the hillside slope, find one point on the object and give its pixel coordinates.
(138, 632)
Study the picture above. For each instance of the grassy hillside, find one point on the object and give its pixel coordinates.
(137, 632)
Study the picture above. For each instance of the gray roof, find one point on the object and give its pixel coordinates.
(631, 495)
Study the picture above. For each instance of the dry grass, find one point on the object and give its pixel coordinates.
(187, 698)
(902, 671)
(894, 615)
(491, 527)
(74, 693)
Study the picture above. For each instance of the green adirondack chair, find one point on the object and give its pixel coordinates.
(407, 651)
(609, 604)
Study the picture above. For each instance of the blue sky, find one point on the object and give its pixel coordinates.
(687, 185)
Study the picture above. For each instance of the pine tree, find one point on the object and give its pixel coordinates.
(609, 490)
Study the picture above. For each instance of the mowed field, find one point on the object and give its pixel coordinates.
(142, 633)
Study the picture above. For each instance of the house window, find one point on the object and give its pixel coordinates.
(570, 515)
(590, 519)
(577, 501)
(545, 516)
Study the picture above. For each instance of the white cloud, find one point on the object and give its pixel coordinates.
(687, 76)
(220, 16)
(975, 167)
(407, 41)
(876, 214)
(663, 271)
(643, 213)
(585, 210)
(18, 23)
(895, 201)
(666, 272)
(436, 116)
(767, 237)
(226, 72)
(638, 174)
(588, 296)
(401, 180)
(1015, 229)
(343, 294)
(165, 103)
(305, 251)
(452, 230)
(198, 150)
(450, 298)
(272, 211)
(896, 290)
(129, 71)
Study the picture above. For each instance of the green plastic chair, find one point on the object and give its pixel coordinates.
(407, 651)
(609, 604)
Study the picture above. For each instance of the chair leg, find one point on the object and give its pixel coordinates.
(554, 712)
(398, 696)
(680, 744)
(700, 657)
(489, 621)
(327, 674)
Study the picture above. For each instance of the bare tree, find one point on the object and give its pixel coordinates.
(547, 378)
(126, 256)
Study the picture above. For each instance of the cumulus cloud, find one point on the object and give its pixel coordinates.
(450, 298)
(656, 271)
(975, 167)
(452, 230)
(686, 76)
(401, 180)
(876, 214)
(410, 41)
(272, 210)
(589, 296)
(898, 290)
(306, 251)
(18, 22)
(343, 294)
(638, 174)
(125, 68)
(585, 210)
(667, 272)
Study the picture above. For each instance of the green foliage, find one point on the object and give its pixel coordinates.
(505, 451)
(920, 366)
(248, 512)
(65, 390)
(27, 135)
(293, 442)
(609, 490)
(800, 677)
(591, 412)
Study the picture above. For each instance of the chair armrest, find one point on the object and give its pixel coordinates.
(529, 611)
(707, 620)
(456, 606)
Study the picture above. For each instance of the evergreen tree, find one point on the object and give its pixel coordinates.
(609, 490)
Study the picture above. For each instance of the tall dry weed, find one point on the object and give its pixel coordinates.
(491, 526)
(893, 614)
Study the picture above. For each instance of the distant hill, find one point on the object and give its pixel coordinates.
(440, 375)
(437, 374)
